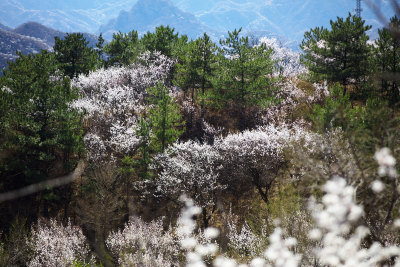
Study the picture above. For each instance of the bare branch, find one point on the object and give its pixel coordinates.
(34, 188)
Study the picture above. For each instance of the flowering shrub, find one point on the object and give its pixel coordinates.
(196, 252)
(113, 100)
(144, 244)
(335, 217)
(190, 168)
(288, 61)
(295, 99)
(341, 243)
(56, 245)
(243, 242)
(253, 158)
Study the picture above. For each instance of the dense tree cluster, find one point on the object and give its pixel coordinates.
(273, 156)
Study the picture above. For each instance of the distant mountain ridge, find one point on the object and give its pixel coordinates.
(278, 18)
(65, 16)
(289, 19)
(30, 38)
(37, 30)
(11, 42)
(146, 15)
(4, 27)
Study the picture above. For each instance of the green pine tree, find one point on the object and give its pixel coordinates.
(142, 162)
(196, 66)
(165, 118)
(340, 54)
(39, 130)
(163, 40)
(74, 55)
(123, 48)
(387, 60)
(244, 76)
(100, 50)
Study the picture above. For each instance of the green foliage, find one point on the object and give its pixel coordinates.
(123, 48)
(142, 163)
(14, 250)
(38, 126)
(340, 54)
(165, 118)
(163, 40)
(387, 60)
(74, 55)
(100, 50)
(379, 127)
(196, 67)
(244, 76)
(336, 112)
(139, 164)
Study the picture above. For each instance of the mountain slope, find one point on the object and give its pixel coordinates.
(30, 38)
(67, 16)
(34, 29)
(146, 15)
(287, 18)
(4, 27)
(11, 42)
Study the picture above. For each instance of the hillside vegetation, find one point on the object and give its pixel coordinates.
(164, 151)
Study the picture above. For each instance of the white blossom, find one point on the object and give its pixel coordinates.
(57, 245)
(189, 168)
(144, 244)
(335, 217)
(279, 251)
(377, 186)
(113, 99)
(386, 162)
(288, 61)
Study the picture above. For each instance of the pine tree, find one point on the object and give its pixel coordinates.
(100, 50)
(41, 134)
(387, 59)
(165, 118)
(162, 40)
(123, 48)
(340, 54)
(74, 55)
(142, 162)
(244, 76)
(197, 66)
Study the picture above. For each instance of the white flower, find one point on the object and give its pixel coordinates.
(377, 186)
(384, 157)
(211, 232)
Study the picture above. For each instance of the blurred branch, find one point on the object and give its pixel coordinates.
(34, 188)
(378, 12)
(382, 18)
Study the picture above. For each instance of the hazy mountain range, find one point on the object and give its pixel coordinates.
(287, 19)
(66, 16)
(146, 15)
(29, 38)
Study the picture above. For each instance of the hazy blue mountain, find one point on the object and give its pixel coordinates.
(30, 38)
(11, 42)
(146, 15)
(281, 18)
(285, 18)
(66, 16)
(37, 30)
(4, 27)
